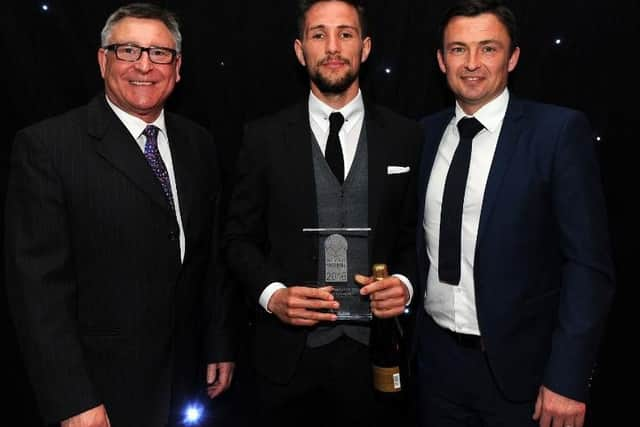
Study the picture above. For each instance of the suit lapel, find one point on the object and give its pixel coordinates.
(116, 145)
(183, 164)
(377, 143)
(507, 143)
(433, 135)
(434, 130)
(298, 161)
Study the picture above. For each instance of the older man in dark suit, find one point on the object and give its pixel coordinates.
(111, 243)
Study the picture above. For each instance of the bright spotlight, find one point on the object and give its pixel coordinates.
(193, 414)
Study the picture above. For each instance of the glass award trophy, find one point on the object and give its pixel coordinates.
(343, 252)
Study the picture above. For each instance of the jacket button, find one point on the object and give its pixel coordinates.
(173, 235)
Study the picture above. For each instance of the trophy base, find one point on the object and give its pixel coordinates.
(354, 317)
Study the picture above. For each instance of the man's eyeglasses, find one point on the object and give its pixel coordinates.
(132, 52)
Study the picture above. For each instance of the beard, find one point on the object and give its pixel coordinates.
(337, 86)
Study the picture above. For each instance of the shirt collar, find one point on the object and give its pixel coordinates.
(319, 112)
(490, 114)
(136, 125)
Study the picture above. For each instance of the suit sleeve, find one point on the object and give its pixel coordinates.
(587, 275)
(219, 307)
(245, 236)
(404, 259)
(41, 286)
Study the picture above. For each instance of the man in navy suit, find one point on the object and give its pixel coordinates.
(112, 272)
(512, 340)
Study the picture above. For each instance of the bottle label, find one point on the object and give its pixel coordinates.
(386, 379)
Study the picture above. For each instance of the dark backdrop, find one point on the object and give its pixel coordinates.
(239, 64)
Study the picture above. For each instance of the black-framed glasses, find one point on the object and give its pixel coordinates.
(131, 53)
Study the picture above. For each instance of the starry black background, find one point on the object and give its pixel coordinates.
(239, 65)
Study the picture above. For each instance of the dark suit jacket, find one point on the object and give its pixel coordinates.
(543, 271)
(104, 310)
(274, 198)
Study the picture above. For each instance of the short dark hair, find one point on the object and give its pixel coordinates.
(143, 11)
(478, 7)
(305, 5)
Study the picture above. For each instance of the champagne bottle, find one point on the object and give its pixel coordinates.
(386, 349)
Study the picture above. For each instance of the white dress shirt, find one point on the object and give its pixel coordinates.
(454, 307)
(136, 126)
(353, 113)
(349, 134)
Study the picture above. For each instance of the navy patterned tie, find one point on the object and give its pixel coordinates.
(452, 203)
(155, 161)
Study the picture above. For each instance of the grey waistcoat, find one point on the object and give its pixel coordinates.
(338, 207)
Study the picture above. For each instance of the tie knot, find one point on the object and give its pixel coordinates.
(469, 127)
(151, 132)
(335, 122)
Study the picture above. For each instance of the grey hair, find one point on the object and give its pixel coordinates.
(143, 11)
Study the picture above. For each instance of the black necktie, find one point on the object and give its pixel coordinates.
(452, 202)
(333, 151)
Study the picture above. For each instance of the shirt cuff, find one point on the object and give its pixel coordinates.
(407, 283)
(265, 296)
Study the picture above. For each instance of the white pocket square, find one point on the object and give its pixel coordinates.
(393, 170)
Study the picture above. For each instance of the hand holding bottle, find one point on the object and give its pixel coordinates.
(388, 295)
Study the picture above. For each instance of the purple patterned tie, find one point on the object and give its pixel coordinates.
(155, 161)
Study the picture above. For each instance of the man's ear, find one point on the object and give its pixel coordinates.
(366, 49)
(297, 47)
(441, 64)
